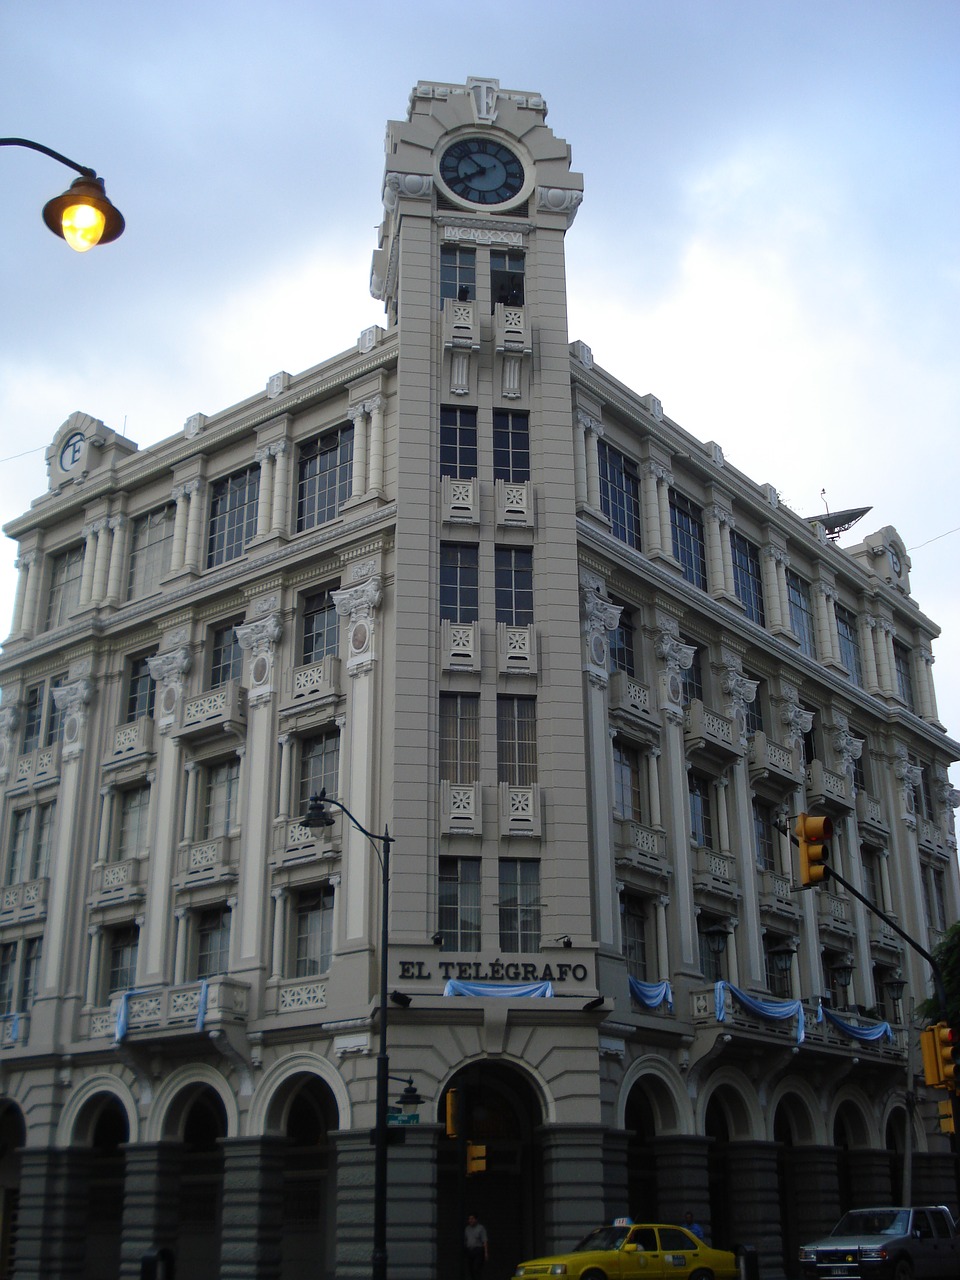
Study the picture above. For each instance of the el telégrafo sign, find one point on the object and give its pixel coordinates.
(490, 971)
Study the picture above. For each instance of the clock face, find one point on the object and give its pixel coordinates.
(72, 451)
(482, 171)
(895, 561)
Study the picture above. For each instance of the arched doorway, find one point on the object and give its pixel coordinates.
(203, 1126)
(310, 1113)
(13, 1135)
(642, 1199)
(499, 1109)
(108, 1129)
(895, 1142)
(717, 1129)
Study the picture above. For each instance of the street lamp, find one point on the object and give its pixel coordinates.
(318, 816)
(83, 216)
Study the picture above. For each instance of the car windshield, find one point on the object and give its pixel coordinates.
(872, 1222)
(602, 1238)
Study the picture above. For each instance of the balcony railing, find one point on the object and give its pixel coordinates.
(22, 902)
(313, 683)
(707, 731)
(519, 810)
(460, 808)
(639, 847)
(206, 860)
(827, 788)
(39, 766)
(215, 711)
(772, 760)
(514, 499)
(195, 1006)
(460, 500)
(133, 739)
(516, 650)
(117, 881)
(460, 645)
(293, 842)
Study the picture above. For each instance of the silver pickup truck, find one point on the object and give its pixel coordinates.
(886, 1244)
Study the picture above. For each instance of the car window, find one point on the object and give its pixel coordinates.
(645, 1238)
(673, 1240)
(602, 1238)
(921, 1224)
(940, 1227)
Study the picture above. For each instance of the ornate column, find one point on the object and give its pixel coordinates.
(279, 450)
(598, 617)
(258, 638)
(375, 409)
(579, 460)
(653, 786)
(868, 635)
(649, 473)
(664, 481)
(593, 430)
(928, 661)
(357, 413)
(782, 563)
(887, 664)
(182, 918)
(739, 693)
(107, 798)
(265, 460)
(922, 662)
(712, 540)
(95, 932)
(191, 769)
(359, 604)
(284, 743)
(826, 622)
(120, 528)
(796, 723)
(169, 670)
(23, 564)
(102, 562)
(89, 561)
(663, 951)
(726, 554)
(771, 587)
(181, 496)
(848, 748)
(279, 930)
(34, 565)
(676, 657)
(193, 554)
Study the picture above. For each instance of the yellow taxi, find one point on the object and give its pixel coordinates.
(643, 1250)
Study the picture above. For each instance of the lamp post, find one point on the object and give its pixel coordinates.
(83, 216)
(317, 816)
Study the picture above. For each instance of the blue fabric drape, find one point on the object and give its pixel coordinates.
(777, 1010)
(878, 1031)
(511, 990)
(651, 994)
(202, 1005)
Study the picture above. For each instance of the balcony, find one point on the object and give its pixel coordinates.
(459, 500)
(14, 1031)
(20, 903)
(516, 650)
(207, 861)
(519, 810)
(870, 814)
(632, 698)
(459, 645)
(461, 328)
(776, 895)
(130, 741)
(294, 843)
(770, 761)
(639, 848)
(38, 767)
(826, 789)
(460, 808)
(714, 872)
(116, 882)
(213, 713)
(514, 502)
(511, 329)
(710, 734)
(834, 914)
(301, 994)
(312, 685)
(196, 1006)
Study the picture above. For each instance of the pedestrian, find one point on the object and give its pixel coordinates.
(477, 1246)
(692, 1225)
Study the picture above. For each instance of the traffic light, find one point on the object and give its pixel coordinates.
(931, 1057)
(940, 1047)
(812, 834)
(946, 1116)
(476, 1158)
(453, 1127)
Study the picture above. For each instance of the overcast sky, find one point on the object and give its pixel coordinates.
(769, 240)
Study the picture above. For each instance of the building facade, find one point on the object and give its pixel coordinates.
(585, 671)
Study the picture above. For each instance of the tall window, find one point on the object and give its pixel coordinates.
(30, 971)
(459, 582)
(517, 741)
(314, 931)
(213, 942)
(519, 904)
(872, 881)
(8, 970)
(220, 799)
(459, 737)
(32, 718)
(711, 957)
(746, 577)
(134, 811)
(801, 613)
(849, 643)
(620, 494)
(620, 645)
(226, 656)
(151, 544)
(324, 477)
(19, 847)
(54, 731)
(458, 272)
(633, 919)
(753, 711)
(777, 963)
(506, 276)
(44, 828)
(319, 766)
(321, 631)
(459, 904)
(42, 718)
(124, 945)
(764, 835)
(141, 691)
(626, 781)
(233, 515)
(513, 573)
(458, 443)
(701, 812)
(689, 545)
(66, 570)
(901, 662)
(691, 680)
(511, 445)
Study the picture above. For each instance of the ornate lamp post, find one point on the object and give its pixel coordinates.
(318, 816)
(83, 216)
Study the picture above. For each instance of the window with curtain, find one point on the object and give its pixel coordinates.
(459, 904)
(63, 598)
(321, 630)
(627, 774)
(213, 942)
(141, 690)
(313, 916)
(221, 784)
(459, 738)
(513, 585)
(226, 656)
(132, 833)
(151, 546)
(319, 765)
(801, 613)
(701, 810)
(519, 904)
(849, 637)
(124, 943)
(633, 918)
(517, 741)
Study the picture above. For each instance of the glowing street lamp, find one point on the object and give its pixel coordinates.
(83, 216)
